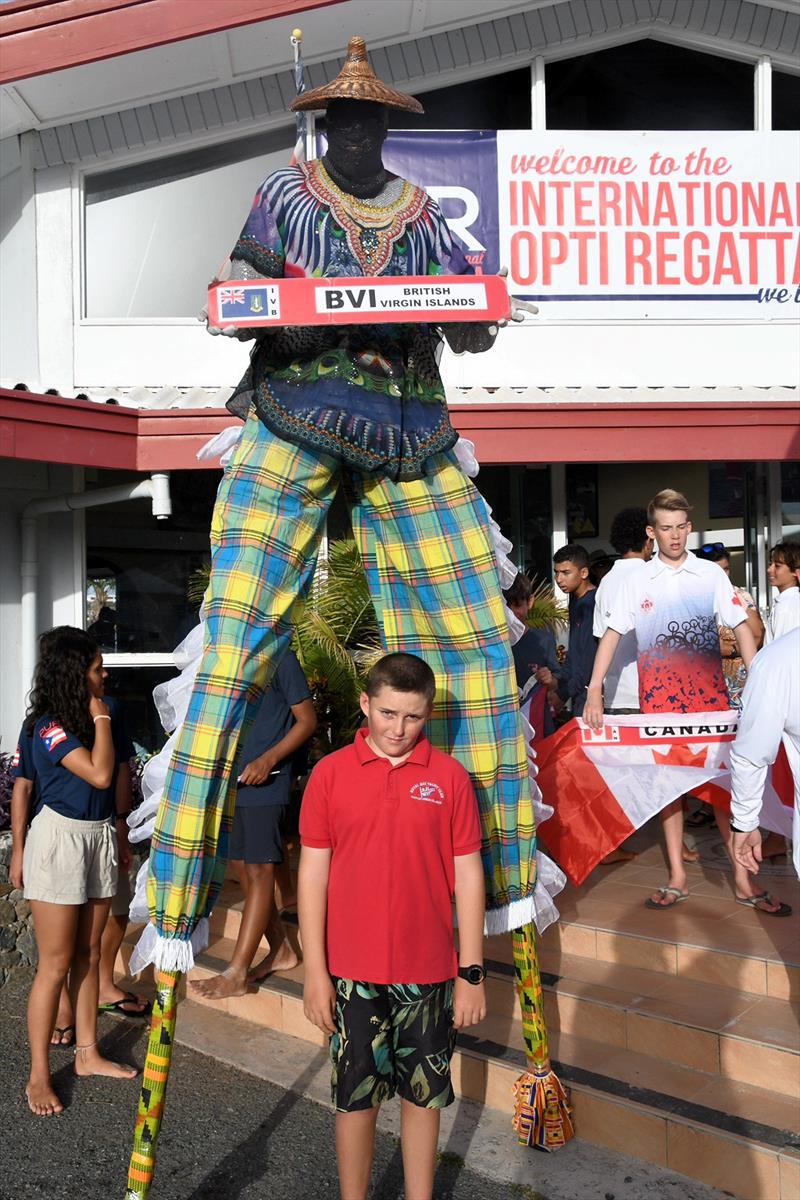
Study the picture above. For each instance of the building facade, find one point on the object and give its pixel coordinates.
(126, 173)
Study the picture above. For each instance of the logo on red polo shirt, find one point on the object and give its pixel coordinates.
(647, 604)
(52, 736)
(429, 792)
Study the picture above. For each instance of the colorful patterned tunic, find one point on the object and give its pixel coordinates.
(370, 395)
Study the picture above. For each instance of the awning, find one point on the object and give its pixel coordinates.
(534, 426)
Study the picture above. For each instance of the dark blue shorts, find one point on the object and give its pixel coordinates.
(256, 836)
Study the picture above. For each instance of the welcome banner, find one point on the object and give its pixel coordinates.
(629, 225)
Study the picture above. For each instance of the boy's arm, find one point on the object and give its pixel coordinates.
(305, 724)
(21, 795)
(593, 710)
(469, 999)
(319, 996)
(746, 642)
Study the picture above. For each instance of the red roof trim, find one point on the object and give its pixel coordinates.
(80, 432)
(51, 35)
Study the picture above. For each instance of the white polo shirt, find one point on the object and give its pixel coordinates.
(784, 614)
(675, 613)
(770, 714)
(621, 688)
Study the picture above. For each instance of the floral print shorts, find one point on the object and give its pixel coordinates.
(392, 1038)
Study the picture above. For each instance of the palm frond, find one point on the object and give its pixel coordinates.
(546, 612)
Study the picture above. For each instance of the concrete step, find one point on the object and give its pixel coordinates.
(669, 1017)
(709, 938)
(471, 1134)
(725, 1132)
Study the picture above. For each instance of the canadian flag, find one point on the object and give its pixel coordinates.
(604, 785)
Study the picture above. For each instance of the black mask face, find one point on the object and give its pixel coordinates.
(356, 131)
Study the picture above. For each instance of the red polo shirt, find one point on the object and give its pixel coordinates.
(394, 832)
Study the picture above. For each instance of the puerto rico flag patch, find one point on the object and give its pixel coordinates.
(52, 735)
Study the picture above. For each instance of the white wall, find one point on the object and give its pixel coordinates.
(60, 584)
(18, 336)
(544, 355)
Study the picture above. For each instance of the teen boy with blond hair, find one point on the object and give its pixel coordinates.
(675, 605)
(390, 832)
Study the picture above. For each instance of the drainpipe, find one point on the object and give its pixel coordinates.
(155, 489)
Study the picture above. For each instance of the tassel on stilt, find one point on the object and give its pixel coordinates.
(542, 1112)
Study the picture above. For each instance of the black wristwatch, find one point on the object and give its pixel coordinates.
(735, 829)
(474, 974)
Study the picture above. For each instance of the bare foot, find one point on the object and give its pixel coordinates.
(89, 1061)
(689, 855)
(617, 856)
(42, 1100)
(284, 959)
(230, 983)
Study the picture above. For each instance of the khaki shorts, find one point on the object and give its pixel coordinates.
(68, 861)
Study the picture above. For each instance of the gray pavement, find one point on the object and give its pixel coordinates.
(232, 1134)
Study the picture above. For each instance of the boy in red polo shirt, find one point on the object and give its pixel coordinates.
(390, 832)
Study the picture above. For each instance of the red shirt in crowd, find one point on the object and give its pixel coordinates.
(394, 832)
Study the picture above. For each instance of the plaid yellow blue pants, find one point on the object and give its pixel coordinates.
(433, 579)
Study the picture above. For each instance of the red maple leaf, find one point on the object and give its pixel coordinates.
(680, 756)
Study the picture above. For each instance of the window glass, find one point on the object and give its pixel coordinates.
(155, 233)
(139, 570)
(495, 102)
(785, 101)
(790, 500)
(649, 85)
(133, 688)
(520, 501)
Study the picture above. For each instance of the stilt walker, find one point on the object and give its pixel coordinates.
(360, 406)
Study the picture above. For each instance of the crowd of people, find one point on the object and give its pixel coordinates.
(659, 629)
(652, 629)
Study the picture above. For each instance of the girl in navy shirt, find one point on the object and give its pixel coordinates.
(70, 855)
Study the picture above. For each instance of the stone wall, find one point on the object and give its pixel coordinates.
(18, 953)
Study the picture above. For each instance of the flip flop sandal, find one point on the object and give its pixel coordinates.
(61, 1030)
(667, 891)
(117, 1007)
(783, 910)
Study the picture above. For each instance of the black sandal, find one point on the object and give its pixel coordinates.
(61, 1030)
(700, 818)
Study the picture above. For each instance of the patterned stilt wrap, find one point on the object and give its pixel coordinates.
(542, 1112)
(154, 1085)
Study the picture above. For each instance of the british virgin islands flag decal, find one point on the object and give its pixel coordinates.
(237, 302)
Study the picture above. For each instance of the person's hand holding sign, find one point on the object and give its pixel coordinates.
(474, 337)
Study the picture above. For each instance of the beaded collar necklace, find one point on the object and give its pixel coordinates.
(373, 224)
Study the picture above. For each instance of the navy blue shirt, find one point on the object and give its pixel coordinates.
(22, 768)
(272, 722)
(536, 648)
(574, 675)
(22, 761)
(58, 787)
